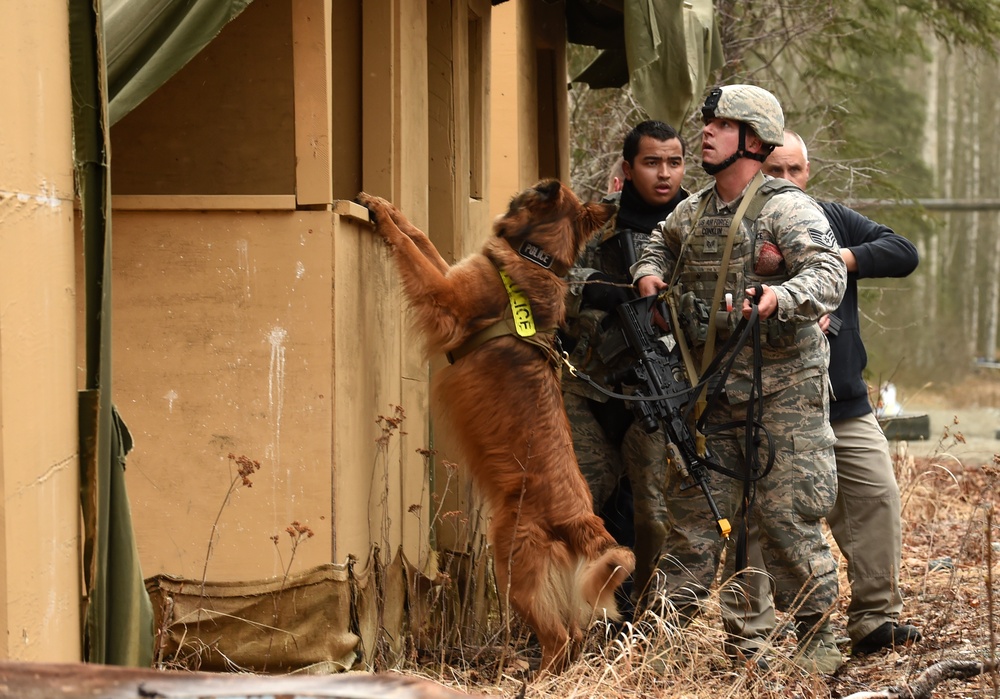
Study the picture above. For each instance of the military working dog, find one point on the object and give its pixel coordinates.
(494, 313)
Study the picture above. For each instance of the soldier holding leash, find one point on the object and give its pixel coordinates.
(769, 246)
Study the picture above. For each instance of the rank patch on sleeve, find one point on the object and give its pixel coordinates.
(824, 238)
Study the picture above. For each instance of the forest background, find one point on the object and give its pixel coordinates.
(899, 103)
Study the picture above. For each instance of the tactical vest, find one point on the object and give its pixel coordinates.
(591, 327)
(613, 253)
(702, 257)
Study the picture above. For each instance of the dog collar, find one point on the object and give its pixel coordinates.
(533, 253)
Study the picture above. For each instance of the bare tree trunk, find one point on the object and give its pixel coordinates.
(931, 156)
(993, 290)
(972, 190)
(993, 298)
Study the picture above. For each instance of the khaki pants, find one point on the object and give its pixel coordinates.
(866, 526)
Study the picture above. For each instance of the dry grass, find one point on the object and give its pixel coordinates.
(948, 557)
(950, 548)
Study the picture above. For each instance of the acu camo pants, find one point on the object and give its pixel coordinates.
(790, 502)
(640, 456)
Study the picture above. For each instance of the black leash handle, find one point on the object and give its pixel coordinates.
(752, 437)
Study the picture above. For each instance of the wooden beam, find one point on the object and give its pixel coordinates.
(203, 202)
(311, 52)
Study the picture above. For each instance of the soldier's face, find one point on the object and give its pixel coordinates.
(719, 139)
(657, 170)
(789, 162)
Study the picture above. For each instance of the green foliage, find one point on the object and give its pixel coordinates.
(970, 23)
(835, 66)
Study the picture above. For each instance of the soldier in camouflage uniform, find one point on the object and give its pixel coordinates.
(608, 444)
(787, 247)
(865, 522)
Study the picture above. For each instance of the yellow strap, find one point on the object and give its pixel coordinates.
(524, 321)
(709, 349)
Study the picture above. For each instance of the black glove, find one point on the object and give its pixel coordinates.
(604, 293)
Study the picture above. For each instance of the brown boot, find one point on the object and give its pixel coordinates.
(818, 652)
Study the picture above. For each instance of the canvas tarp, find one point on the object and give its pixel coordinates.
(670, 50)
(274, 625)
(330, 618)
(148, 41)
(118, 618)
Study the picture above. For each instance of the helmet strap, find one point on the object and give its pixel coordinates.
(741, 152)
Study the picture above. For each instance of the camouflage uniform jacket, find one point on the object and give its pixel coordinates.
(588, 327)
(807, 275)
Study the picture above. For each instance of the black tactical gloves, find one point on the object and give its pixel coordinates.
(604, 293)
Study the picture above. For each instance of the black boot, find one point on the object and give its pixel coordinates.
(888, 635)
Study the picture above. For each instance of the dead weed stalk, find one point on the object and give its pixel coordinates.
(245, 467)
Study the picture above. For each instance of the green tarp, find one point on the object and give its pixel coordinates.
(150, 40)
(667, 54)
(672, 48)
(118, 623)
(120, 52)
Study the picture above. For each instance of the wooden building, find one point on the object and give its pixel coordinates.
(254, 312)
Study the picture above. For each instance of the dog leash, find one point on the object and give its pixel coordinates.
(734, 344)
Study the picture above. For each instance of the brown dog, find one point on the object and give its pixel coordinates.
(552, 554)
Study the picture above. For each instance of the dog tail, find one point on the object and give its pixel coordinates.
(600, 578)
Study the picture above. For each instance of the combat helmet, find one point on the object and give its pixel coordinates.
(750, 106)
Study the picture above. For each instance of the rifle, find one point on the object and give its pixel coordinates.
(661, 396)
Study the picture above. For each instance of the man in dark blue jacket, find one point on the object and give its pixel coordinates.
(866, 518)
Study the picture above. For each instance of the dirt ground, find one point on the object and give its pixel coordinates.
(951, 545)
(972, 409)
(951, 539)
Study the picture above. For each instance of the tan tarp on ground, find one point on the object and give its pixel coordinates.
(327, 619)
(263, 625)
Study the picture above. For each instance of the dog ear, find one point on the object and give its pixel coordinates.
(548, 188)
(593, 215)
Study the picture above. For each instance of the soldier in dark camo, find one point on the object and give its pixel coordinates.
(786, 246)
(608, 445)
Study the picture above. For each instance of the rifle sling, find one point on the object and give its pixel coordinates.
(727, 255)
